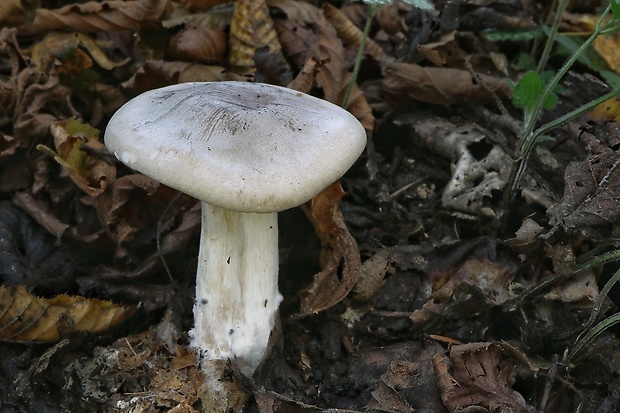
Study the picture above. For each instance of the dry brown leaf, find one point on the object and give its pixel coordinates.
(26, 318)
(350, 34)
(198, 44)
(340, 255)
(372, 273)
(13, 12)
(33, 100)
(404, 83)
(299, 12)
(328, 50)
(591, 190)
(304, 80)
(67, 53)
(132, 203)
(333, 76)
(400, 376)
(106, 16)
(79, 154)
(296, 41)
(251, 28)
(157, 73)
(480, 378)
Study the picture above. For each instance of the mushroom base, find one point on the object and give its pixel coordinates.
(237, 294)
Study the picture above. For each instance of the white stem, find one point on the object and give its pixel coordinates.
(237, 294)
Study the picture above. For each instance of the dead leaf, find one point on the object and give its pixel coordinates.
(404, 83)
(158, 73)
(67, 52)
(480, 378)
(250, 29)
(79, 154)
(591, 190)
(386, 397)
(198, 44)
(350, 34)
(106, 16)
(296, 41)
(340, 256)
(334, 77)
(300, 12)
(26, 318)
(33, 100)
(372, 273)
(133, 204)
(608, 110)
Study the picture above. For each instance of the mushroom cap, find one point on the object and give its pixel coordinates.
(248, 147)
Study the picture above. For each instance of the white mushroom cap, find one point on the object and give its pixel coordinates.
(242, 146)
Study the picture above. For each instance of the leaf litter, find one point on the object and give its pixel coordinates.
(402, 294)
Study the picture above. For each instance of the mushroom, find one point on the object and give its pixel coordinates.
(246, 151)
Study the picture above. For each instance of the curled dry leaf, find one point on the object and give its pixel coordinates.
(296, 41)
(340, 255)
(26, 318)
(328, 50)
(251, 28)
(591, 191)
(157, 73)
(67, 53)
(198, 44)
(404, 83)
(333, 76)
(299, 12)
(481, 378)
(133, 204)
(350, 34)
(79, 154)
(32, 99)
(106, 16)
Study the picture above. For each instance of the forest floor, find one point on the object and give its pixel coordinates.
(415, 290)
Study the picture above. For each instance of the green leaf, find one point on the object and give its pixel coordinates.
(615, 8)
(528, 91)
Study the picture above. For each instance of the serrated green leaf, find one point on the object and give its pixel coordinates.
(527, 92)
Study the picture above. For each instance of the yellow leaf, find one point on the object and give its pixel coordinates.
(251, 28)
(27, 318)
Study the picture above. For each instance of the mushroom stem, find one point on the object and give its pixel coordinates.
(237, 294)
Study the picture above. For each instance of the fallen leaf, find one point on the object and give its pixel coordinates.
(340, 255)
(95, 16)
(67, 53)
(350, 34)
(386, 397)
(481, 378)
(133, 204)
(250, 29)
(591, 190)
(198, 44)
(26, 318)
(79, 154)
(405, 82)
(158, 73)
(33, 100)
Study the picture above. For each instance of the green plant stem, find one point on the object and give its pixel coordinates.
(577, 112)
(557, 19)
(527, 138)
(360, 53)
